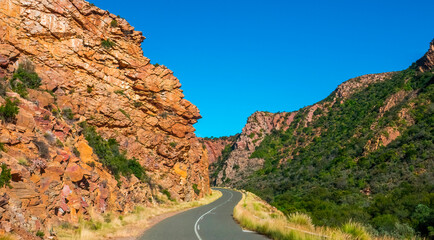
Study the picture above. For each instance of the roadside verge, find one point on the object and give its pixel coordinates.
(127, 226)
(255, 214)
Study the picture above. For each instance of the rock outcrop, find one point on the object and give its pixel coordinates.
(215, 146)
(426, 63)
(92, 69)
(259, 124)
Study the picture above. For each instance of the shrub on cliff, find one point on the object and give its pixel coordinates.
(107, 44)
(9, 110)
(5, 176)
(114, 23)
(110, 156)
(25, 77)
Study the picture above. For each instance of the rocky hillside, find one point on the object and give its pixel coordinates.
(364, 153)
(87, 121)
(239, 162)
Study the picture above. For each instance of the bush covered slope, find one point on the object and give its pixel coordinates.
(367, 156)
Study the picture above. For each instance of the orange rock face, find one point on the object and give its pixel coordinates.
(426, 63)
(115, 89)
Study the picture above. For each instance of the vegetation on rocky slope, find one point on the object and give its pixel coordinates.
(333, 169)
(110, 156)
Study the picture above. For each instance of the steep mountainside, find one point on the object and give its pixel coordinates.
(95, 85)
(364, 153)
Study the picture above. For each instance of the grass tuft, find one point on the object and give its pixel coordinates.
(356, 230)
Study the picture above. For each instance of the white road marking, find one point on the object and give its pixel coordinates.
(247, 231)
(201, 217)
(198, 227)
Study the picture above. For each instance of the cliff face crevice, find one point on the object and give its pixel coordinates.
(91, 62)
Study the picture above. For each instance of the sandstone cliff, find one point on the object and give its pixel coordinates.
(92, 69)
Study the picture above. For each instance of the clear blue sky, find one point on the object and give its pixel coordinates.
(236, 57)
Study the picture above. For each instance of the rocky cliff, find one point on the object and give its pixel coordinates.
(92, 70)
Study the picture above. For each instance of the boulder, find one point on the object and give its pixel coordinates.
(74, 172)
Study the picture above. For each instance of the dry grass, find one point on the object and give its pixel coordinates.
(255, 214)
(7, 237)
(115, 226)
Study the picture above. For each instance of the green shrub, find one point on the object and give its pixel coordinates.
(89, 89)
(28, 77)
(76, 152)
(110, 156)
(55, 112)
(23, 78)
(40, 234)
(59, 143)
(195, 189)
(167, 193)
(137, 104)
(67, 112)
(19, 88)
(5, 176)
(9, 110)
(114, 23)
(120, 92)
(107, 44)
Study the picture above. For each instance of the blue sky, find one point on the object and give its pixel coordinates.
(237, 57)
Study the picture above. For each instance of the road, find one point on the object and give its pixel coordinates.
(210, 222)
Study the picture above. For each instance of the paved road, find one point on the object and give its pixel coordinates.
(210, 222)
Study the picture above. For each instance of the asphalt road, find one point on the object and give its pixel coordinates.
(210, 222)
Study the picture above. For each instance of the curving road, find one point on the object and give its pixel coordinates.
(210, 222)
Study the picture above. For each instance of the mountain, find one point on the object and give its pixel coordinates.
(365, 153)
(87, 122)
